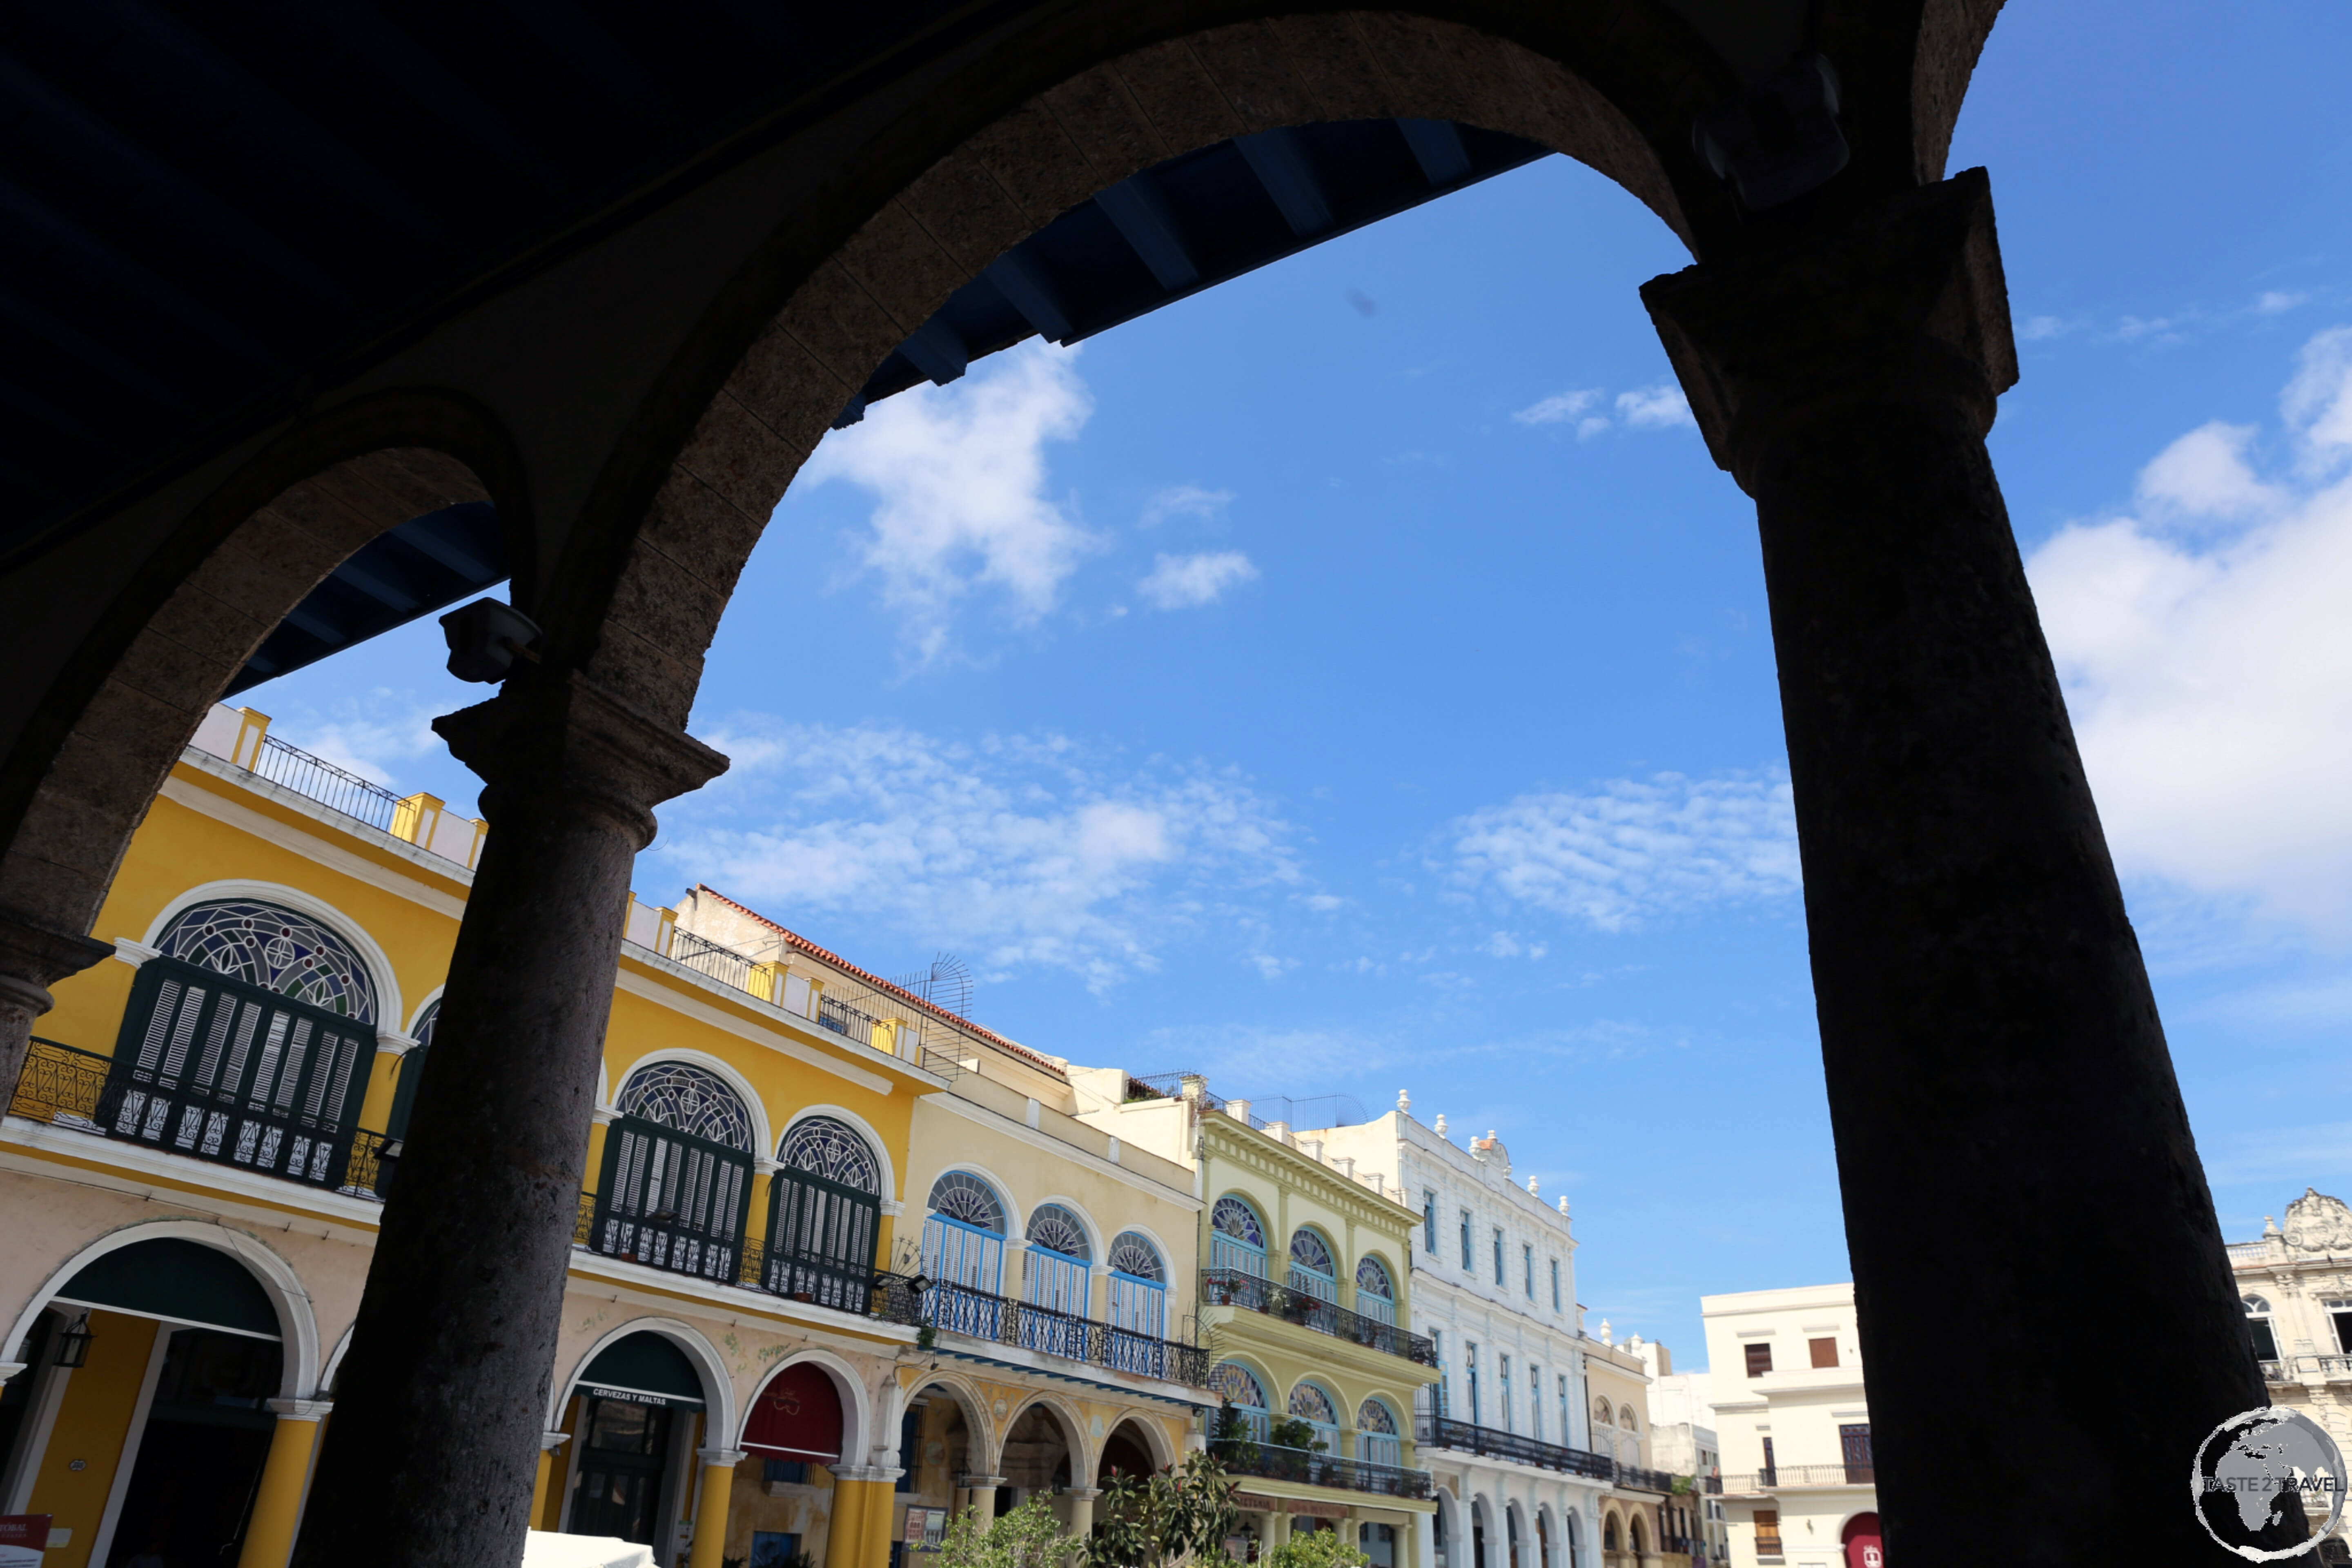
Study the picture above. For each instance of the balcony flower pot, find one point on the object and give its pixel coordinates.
(803, 1296)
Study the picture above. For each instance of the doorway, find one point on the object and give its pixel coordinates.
(200, 1453)
(623, 1459)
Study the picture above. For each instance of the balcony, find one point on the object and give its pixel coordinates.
(67, 1086)
(2308, 1369)
(1443, 1431)
(1640, 1479)
(1785, 1477)
(979, 1315)
(1234, 1288)
(1272, 1461)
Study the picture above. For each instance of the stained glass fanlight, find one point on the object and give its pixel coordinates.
(275, 949)
(832, 1149)
(685, 1099)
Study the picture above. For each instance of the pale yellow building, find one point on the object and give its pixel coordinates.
(1306, 1304)
(195, 1152)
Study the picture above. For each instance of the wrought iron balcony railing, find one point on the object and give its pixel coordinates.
(1640, 1479)
(1272, 1461)
(1782, 1476)
(1443, 1431)
(2304, 1369)
(982, 1315)
(1237, 1287)
(66, 1086)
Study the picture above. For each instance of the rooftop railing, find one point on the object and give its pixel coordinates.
(1237, 1287)
(320, 779)
(1302, 1466)
(1445, 1432)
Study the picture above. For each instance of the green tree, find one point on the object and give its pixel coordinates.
(1028, 1537)
(1317, 1549)
(1230, 1440)
(1145, 1521)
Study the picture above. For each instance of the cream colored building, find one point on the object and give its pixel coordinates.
(1798, 1484)
(2295, 1282)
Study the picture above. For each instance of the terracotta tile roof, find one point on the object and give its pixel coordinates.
(800, 943)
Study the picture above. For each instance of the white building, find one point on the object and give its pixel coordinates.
(1683, 1437)
(2297, 1286)
(1795, 1428)
(1507, 1429)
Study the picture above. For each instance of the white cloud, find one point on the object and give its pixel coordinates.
(2039, 328)
(1021, 850)
(1323, 903)
(1185, 500)
(2209, 672)
(2273, 302)
(1634, 848)
(960, 473)
(1507, 945)
(1558, 408)
(1657, 408)
(1187, 582)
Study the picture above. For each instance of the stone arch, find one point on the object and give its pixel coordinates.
(1072, 117)
(364, 947)
(113, 721)
(301, 1374)
(860, 1429)
(1063, 1416)
(976, 1419)
(1148, 1436)
(717, 1388)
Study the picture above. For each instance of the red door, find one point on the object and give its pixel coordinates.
(1862, 1545)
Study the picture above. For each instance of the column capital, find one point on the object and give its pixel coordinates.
(550, 1441)
(1904, 302)
(390, 1043)
(1083, 1494)
(559, 736)
(727, 1457)
(302, 1409)
(35, 956)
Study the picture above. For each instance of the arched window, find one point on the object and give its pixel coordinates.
(1375, 1291)
(1055, 1268)
(1138, 1294)
(1603, 1416)
(1609, 1532)
(1236, 1236)
(1625, 1418)
(677, 1173)
(275, 949)
(825, 1210)
(248, 1042)
(1236, 1385)
(1311, 1268)
(963, 1254)
(1311, 1404)
(1377, 1441)
(1639, 1535)
(2258, 1324)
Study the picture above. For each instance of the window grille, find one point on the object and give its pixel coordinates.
(963, 1243)
(1237, 1385)
(1555, 1284)
(1055, 1262)
(672, 1200)
(687, 1099)
(1311, 1270)
(273, 950)
(1312, 1406)
(1375, 1293)
(1236, 1238)
(1500, 1281)
(1466, 1241)
(823, 1214)
(1428, 1221)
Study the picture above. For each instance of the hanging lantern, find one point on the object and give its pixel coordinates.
(73, 1345)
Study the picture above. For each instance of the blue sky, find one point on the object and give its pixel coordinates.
(1356, 678)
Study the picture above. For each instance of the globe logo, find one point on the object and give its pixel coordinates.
(2268, 1484)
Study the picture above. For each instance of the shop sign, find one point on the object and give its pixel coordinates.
(638, 1396)
(24, 1537)
(927, 1527)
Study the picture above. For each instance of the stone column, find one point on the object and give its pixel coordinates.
(710, 1509)
(456, 1335)
(34, 956)
(981, 1489)
(1082, 1517)
(1424, 1542)
(2009, 1130)
(277, 1500)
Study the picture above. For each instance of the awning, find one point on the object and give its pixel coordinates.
(178, 1281)
(644, 1369)
(796, 1417)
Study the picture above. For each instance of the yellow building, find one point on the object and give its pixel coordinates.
(197, 1147)
(1304, 1304)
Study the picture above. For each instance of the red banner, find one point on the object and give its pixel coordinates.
(24, 1529)
(796, 1417)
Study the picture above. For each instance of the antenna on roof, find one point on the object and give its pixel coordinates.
(946, 984)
